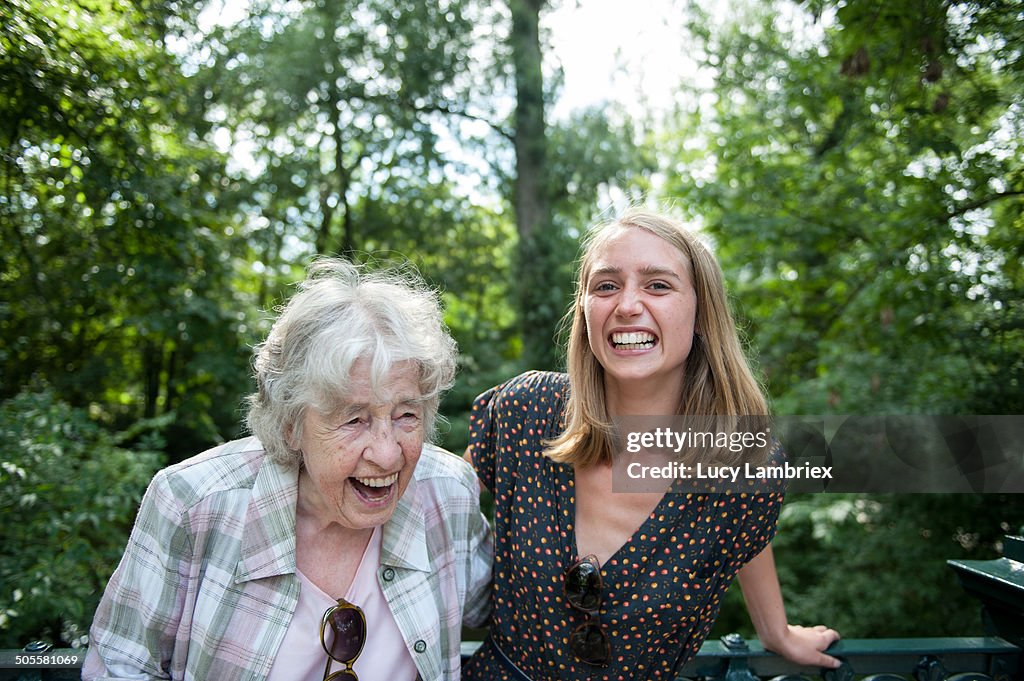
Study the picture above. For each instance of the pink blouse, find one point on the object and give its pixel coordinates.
(384, 655)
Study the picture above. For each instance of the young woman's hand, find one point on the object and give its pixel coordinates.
(805, 645)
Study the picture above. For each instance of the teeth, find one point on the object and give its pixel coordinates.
(379, 482)
(637, 338)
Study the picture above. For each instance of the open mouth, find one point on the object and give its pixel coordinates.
(374, 489)
(633, 340)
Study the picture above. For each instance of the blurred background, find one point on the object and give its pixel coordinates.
(169, 167)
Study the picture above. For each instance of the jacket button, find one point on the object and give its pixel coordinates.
(389, 574)
(420, 646)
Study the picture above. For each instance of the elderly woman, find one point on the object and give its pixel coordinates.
(335, 543)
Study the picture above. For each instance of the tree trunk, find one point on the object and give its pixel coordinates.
(531, 204)
(538, 314)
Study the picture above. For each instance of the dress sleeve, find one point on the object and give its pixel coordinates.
(483, 433)
(525, 409)
(760, 521)
(492, 420)
(760, 514)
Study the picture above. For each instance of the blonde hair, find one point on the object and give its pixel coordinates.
(341, 315)
(717, 380)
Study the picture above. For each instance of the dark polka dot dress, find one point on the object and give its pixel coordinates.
(662, 588)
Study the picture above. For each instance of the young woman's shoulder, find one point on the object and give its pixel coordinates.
(533, 400)
(533, 386)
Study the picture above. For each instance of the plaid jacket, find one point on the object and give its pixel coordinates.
(207, 586)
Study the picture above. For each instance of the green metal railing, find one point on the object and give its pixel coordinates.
(921, 659)
(999, 585)
(882, 659)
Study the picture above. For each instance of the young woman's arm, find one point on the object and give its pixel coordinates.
(761, 591)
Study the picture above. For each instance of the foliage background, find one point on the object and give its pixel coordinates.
(856, 166)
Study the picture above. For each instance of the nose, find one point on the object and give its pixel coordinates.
(383, 449)
(629, 303)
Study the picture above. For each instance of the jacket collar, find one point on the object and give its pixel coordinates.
(268, 538)
(404, 542)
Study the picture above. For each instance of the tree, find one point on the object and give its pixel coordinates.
(335, 103)
(69, 492)
(539, 281)
(871, 185)
(360, 123)
(114, 283)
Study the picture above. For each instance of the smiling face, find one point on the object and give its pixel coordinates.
(640, 308)
(359, 459)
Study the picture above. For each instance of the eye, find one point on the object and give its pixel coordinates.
(349, 421)
(407, 420)
(604, 287)
(354, 422)
(659, 286)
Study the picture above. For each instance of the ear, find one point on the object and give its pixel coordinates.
(290, 436)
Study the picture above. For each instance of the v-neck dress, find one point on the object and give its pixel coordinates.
(662, 588)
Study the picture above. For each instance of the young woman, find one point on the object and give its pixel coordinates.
(598, 584)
